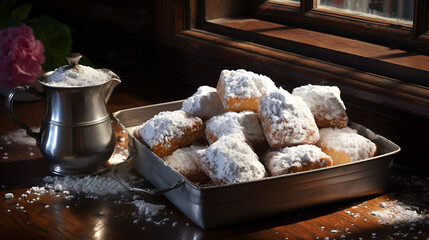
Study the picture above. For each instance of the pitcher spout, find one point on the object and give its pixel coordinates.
(111, 85)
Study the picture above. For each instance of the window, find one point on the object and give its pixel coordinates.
(391, 10)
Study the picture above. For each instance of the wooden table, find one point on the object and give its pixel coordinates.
(114, 217)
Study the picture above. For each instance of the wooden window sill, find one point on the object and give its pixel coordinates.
(395, 63)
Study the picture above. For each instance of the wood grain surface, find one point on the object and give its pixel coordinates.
(54, 216)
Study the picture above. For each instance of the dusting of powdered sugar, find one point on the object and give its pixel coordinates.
(94, 187)
(281, 161)
(148, 209)
(289, 118)
(348, 141)
(245, 84)
(409, 205)
(184, 160)
(229, 161)
(324, 101)
(89, 185)
(402, 211)
(165, 126)
(396, 212)
(205, 103)
(18, 136)
(76, 77)
(243, 125)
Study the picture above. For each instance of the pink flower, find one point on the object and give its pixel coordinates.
(21, 56)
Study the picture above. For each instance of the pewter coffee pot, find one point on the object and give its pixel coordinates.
(76, 136)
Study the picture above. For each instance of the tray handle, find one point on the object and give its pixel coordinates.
(149, 191)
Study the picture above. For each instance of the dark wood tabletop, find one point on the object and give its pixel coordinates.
(401, 213)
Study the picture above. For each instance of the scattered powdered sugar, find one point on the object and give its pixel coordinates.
(148, 209)
(18, 136)
(347, 140)
(230, 161)
(152, 213)
(396, 212)
(243, 125)
(410, 205)
(404, 208)
(165, 126)
(290, 120)
(8, 195)
(205, 103)
(76, 77)
(95, 185)
(245, 84)
(285, 160)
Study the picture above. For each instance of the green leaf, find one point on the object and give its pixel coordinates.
(56, 39)
(21, 13)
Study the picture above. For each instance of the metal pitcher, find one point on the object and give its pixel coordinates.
(76, 135)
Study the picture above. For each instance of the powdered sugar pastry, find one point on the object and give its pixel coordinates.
(246, 84)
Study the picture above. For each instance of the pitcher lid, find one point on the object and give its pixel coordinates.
(76, 75)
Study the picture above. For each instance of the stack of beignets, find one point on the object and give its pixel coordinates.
(245, 115)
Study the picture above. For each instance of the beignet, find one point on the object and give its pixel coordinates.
(204, 103)
(325, 103)
(184, 161)
(345, 145)
(286, 120)
(230, 161)
(244, 126)
(295, 159)
(241, 90)
(169, 130)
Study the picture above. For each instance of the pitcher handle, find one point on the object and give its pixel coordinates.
(9, 105)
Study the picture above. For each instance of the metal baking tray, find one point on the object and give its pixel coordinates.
(216, 206)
